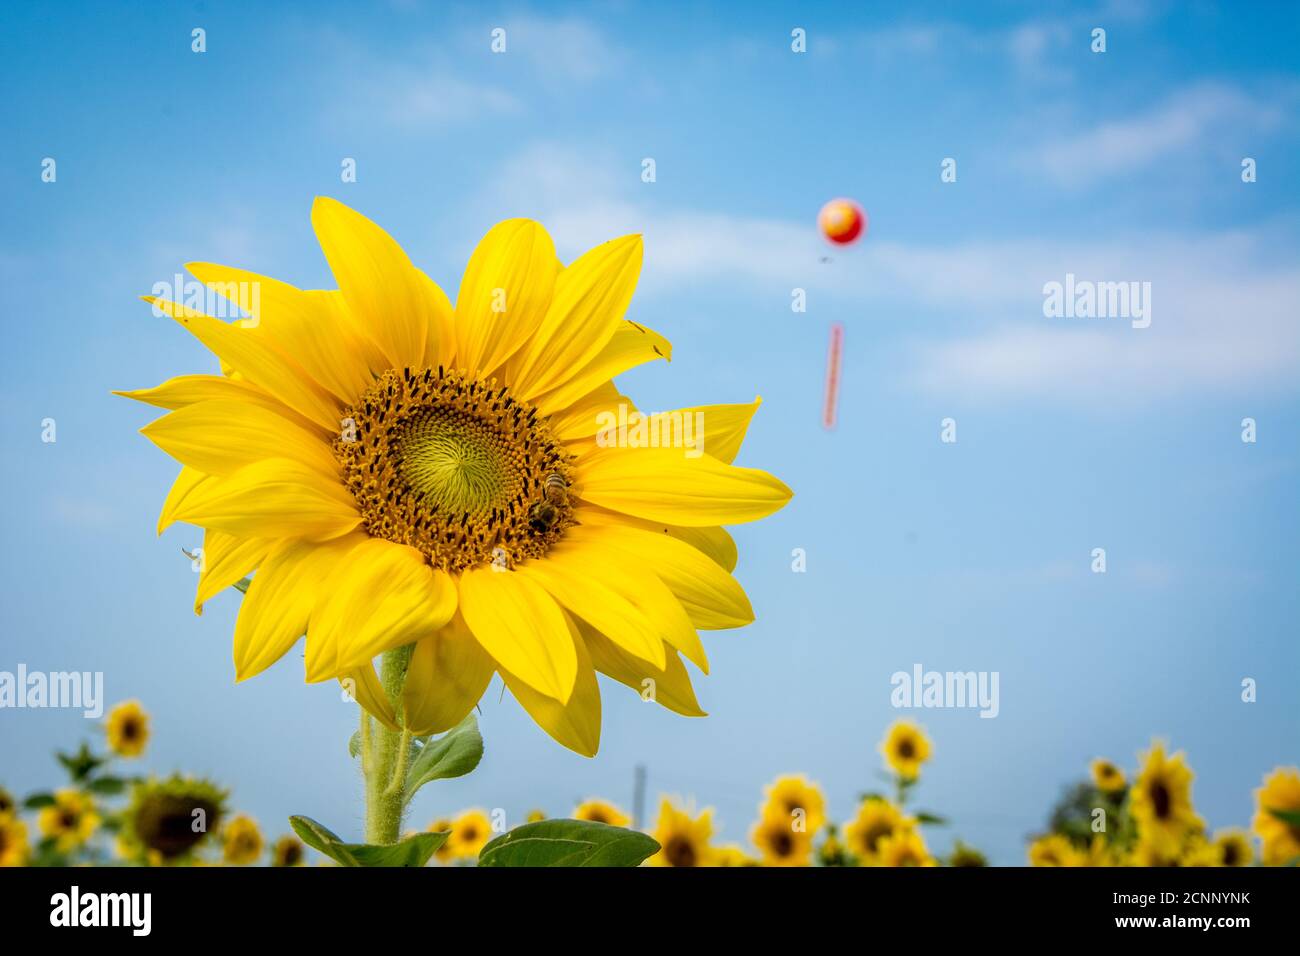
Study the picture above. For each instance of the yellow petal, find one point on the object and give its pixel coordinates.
(384, 291)
(724, 427)
(318, 338)
(364, 686)
(590, 298)
(663, 484)
(522, 627)
(383, 595)
(711, 597)
(582, 419)
(186, 390)
(185, 483)
(504, 294)
(575, 724)
(440, 349)
(669, 686)
(279, 602)
(274, 498)
(226, 561)
(447, 675)
(630, 346)
(221, 436)
(258, 360)
(717, 543)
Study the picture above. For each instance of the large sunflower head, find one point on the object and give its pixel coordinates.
(127, 729)
(466, 480)
(1277, 816)
(795, 799)
(684, 838)
(167, 819)
(1161, 798)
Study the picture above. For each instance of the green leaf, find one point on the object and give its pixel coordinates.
(107, 786)
(413, 851)
(1290, 817)
(454, 754)
(568, 843)
(81, 764)
(871, 795)
(933, 818)
(38, 800)
(354, 744)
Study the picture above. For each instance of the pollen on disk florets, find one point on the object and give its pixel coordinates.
(454, 467)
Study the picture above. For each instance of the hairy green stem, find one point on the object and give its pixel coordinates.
(384, 756)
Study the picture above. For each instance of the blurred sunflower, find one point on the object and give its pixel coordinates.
(903, 848)
(1161, 798)
(241, 841)
(905, 748)
(1233, 847)
(377, 456)
(683, 839)
(794, 795)
(535, 816)
(1108, 777)
(601, 811)
(13, 840)
(730, 856)
(966, 856)
(288, 851)
(1148, 852)
(127, 728)
(1199, 852)
(169, 818)
(876, 819)
(1281, 837)
(444, 853)
(71, 820)
(470, 832)
(780, 843)
(1054, 850)
(7, 801)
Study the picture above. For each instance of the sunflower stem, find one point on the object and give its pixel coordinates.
(385, 788)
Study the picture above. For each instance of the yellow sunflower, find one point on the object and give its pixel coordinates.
(601, 811)
(1281, 793)
(1054, 850)
(905, 748)
(71, 819)
(876, 819)
(13, 840)
(730, 856)
(780, 842)
(683, 838)
(378, 457)
(288, 851)
(1233, 847)
(470, 832)
(1147, 852)
(127, 728)
(903, 848)
(794, 798)
(444, 853)
(241, 841)
(1107, 777)
(535, 816)
(7, 804)
(1161, 798)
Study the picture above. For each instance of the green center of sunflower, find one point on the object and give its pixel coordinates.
(456, 468)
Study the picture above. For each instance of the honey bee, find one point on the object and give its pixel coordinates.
(543, 516)
(556, 489)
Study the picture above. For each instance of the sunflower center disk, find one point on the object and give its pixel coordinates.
(456, 468)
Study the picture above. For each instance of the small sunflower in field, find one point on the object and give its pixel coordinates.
(601, 811)
(241, 841)
(14, 849)
(1161, 798)
(470, 832)
(876, 819)
(832, 851)
(731, 855)
(780, 841)
(905, 748)
(1054, 850)
(966, 856)
(377, 456)
(683, 838)
(535, 816)
(71, 820)
(444, 853)
(1233, 847)
(903, 848)
(1108, 777)
(288, 851)
(7, 804)
(1277, 817)
(167, 819)
(793, 797)
(127, 728)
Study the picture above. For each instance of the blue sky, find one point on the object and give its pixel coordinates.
(1073, 434)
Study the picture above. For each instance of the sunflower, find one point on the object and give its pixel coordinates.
(1161, 799)
(1054, 850)
(1108, 777)
(780, 842)
(905, 748)
(601, 811)
(288, 851)
(832, 852)
(241, 841)
(377, 456)
(964, 855)
(470, 832)
(169, 818)
(794, 797)
(683, 838)
(876, 819)
(1149, 852)
(1199, 852)
(535, 816)
(7, 804)
(13, 840)
(730, 856)
(1233, 847)
(442, 825)
(71, 820)
(903, 848)
(1281, 837)
(127, 728)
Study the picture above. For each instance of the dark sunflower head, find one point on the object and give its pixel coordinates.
(171, 817)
